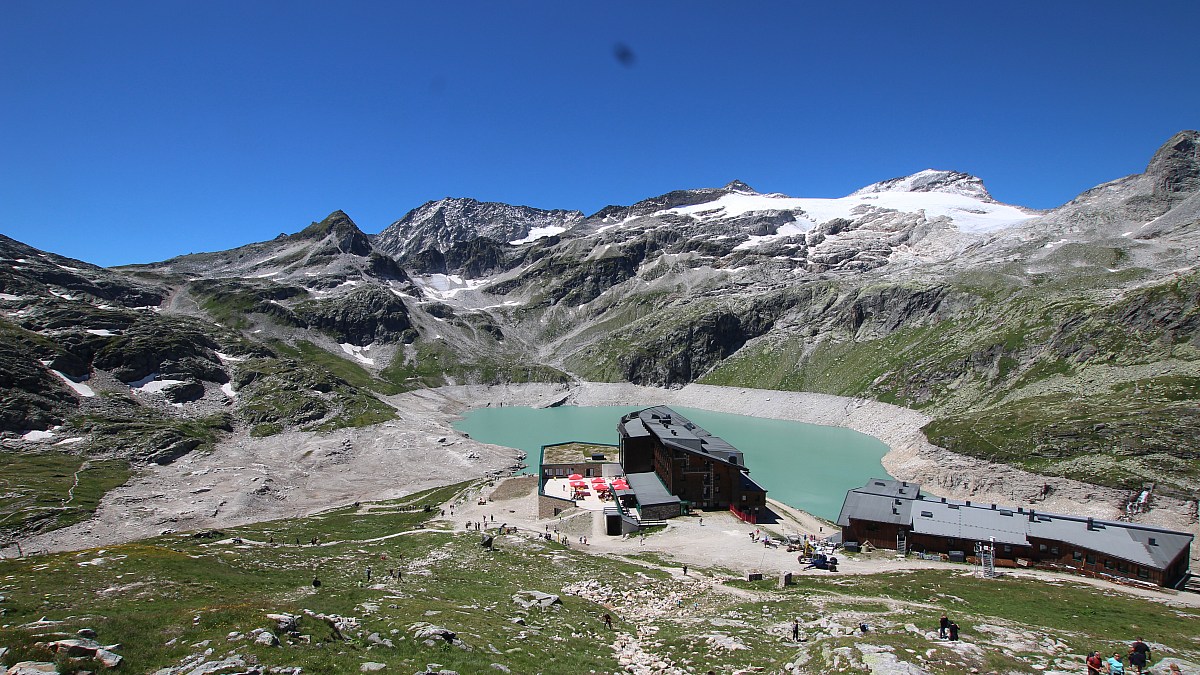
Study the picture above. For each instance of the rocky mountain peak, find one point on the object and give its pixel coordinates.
(1175, 167)
(341, 233)
(739, 186)
(439, 224)
(932, 180)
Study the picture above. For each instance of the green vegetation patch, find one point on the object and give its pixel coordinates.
(46, 491)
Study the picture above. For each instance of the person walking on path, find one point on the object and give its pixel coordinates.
(608, 621)
(1139, 654)
(943, 626)
(1115, 665)
(795, 630)
(953, 631)
(1093, 663)
(685, 570)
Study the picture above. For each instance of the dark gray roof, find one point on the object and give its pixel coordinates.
(676, 431)
(634, 428)
(976, 522)
(892, 501)
(748, 484)
(879, 501)
(649, 489)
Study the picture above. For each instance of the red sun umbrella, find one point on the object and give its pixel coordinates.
(574, 476)
(598, 479)
(600, 487)
(578, 483)
(620, 485)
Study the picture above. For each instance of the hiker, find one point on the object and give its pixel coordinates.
(943, 626)
(701, 520)
(1093, 663)
(685, 570)
(608, 621)
(316, 582)
(1139, 654)
(1115, 666)
(795, 630)
(368, 574)
(953, 631)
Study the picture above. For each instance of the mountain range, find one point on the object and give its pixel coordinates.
(1064, 341)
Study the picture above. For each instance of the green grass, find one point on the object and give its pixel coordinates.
(168, 598)
(39, 492)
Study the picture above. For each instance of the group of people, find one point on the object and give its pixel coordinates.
(947, 629)
(1138, 657)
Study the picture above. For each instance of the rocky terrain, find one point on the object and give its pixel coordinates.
(1062, 343)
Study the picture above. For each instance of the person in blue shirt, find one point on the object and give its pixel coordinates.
(1115, 665)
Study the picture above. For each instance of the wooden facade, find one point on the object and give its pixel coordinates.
(703, 470)
(885, 518)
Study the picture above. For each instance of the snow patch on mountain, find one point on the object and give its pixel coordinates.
(79, 387)
(358, 353)
(969, 214)
(539, 233)
(442, 286)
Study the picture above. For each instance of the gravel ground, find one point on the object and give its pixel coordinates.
(247, 480)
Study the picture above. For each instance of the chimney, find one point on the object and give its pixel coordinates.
(993, 507)
(904, 483)
(968, 502)
(1032, 514)
(1153, 542)
(1091, 524)
(943, 500)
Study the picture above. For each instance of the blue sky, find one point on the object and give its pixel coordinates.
(135, 131)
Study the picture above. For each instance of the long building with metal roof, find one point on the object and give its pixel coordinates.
(894, 514)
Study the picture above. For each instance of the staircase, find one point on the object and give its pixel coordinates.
(1191, 584)
(901, 544)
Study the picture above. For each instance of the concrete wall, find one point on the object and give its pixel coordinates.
(659, 511)
(550, 507)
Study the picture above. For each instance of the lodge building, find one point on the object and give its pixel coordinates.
(697, 469)
(895, 515)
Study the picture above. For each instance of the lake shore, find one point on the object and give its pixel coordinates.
(244, 480)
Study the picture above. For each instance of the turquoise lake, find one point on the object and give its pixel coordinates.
(806, 466)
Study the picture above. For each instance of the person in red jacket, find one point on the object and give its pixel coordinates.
(1094, 664)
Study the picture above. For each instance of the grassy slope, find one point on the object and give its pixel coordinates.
(53, 490)
(163, 598)
(1053, 382)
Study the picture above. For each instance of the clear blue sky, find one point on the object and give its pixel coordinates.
(135, 131)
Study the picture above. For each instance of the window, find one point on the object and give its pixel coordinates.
(1108, 564)
(927, 514)
(1007, 548)
(1005, 512)
(1091, 558)
(1041, 548)
(1143, 573)
(1077, 556)
(1053, 550)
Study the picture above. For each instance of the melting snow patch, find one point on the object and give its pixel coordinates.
(37, 435)
(357, 352)
(540, 233)
(69, 441)
(229, 358)
(64, 296)
(79, 387)
(227, 389)
(1055, 243)
(102, 332)
(10, 296)
(1126, 234)
(443, 286)
(157, 386)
